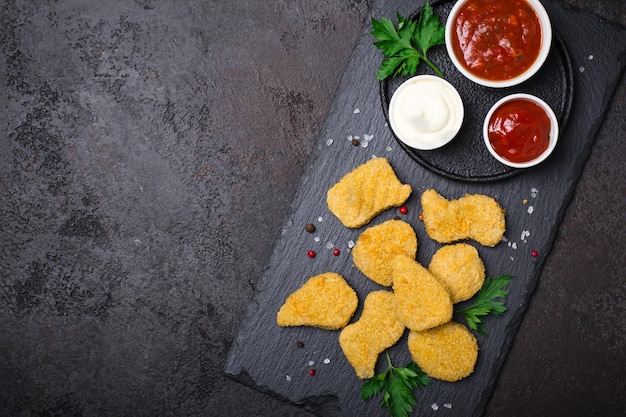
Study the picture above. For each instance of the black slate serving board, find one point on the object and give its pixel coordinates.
(267, 356)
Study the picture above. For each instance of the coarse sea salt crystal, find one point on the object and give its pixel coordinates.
(326, 361)
(364, 144)
(388, 148)
(534, 192)
(590, 57)
(581, 69)
(357, 111)
(330, 245)
(288, 378)
(434, 406)
(368, 137)
(448, 405)
(530, 209)
(311, 363)
(329, 142)
(316, 239)
(320, 219)
(351, 244)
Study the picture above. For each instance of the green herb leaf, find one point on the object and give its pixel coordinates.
(421, 379)
(429, 31)
(397, 385)
(405, 45)
(375, 385)
(484, 303)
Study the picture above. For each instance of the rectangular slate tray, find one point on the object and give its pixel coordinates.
(267, 357)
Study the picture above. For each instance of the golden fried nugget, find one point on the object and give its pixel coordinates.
(460, 269)
(368, 190)
(326, 301)
(379, 245)
(476, 217)
(422, 302)
(447, 352)
(377, 329)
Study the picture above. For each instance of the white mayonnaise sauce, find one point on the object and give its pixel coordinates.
(426, 112)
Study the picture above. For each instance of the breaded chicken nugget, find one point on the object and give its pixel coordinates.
(477, 217)
(460, 269)
(377, 329)
(422, 302)
(379, 245)
(448, 352)
(326, 301)
(368, 190)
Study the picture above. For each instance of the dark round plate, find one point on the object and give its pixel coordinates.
(466, 158)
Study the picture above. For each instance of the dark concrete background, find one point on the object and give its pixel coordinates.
(149, 151)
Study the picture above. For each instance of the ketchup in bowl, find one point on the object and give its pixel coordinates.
(520, 130)
(495, 41)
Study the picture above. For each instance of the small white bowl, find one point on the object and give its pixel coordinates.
(426, 112)
(546, 42)
(554, 130)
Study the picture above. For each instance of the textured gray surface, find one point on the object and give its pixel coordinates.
(149, 153)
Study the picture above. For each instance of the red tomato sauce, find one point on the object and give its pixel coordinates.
(496, 39)
(519, 131)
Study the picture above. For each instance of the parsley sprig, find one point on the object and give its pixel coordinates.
(485, 304)
(406, 45)
(397, 385)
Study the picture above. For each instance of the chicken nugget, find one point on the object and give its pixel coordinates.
(377, 329)
(422, 302)
(476, 217)
(326, 301)
(447, 352)
(379, 245)
(368, 190)
(459, 268)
